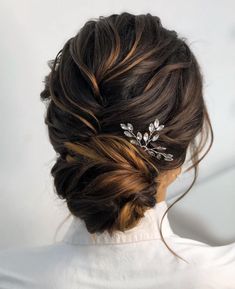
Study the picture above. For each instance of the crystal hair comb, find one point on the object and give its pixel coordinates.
(147, 137)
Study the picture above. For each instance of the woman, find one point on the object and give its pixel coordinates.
(124, 105)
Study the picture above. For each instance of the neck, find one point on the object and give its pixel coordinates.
(161, 194)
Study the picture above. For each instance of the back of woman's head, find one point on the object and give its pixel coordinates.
(121, 69)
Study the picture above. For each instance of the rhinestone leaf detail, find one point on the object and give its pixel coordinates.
(146, 137)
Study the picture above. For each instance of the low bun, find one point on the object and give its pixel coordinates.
(106, 183)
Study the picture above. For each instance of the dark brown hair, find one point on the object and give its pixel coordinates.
(119, 69)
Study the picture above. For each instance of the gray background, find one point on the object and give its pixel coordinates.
(32, 32)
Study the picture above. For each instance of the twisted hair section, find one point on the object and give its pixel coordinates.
(111, 179)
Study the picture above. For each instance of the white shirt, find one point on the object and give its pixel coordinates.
(135, 259)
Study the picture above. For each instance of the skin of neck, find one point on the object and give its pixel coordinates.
(164, 180)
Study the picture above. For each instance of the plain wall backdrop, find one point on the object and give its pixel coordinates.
(32, 32)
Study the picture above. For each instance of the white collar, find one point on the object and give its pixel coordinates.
(148, 228)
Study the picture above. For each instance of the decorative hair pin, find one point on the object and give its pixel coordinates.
(147, 137)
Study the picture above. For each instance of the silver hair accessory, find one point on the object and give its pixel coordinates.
(147, 137)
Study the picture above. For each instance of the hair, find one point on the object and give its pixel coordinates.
(118, 69)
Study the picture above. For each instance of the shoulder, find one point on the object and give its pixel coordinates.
(29, 267)
(204, 254)
(213, 266)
